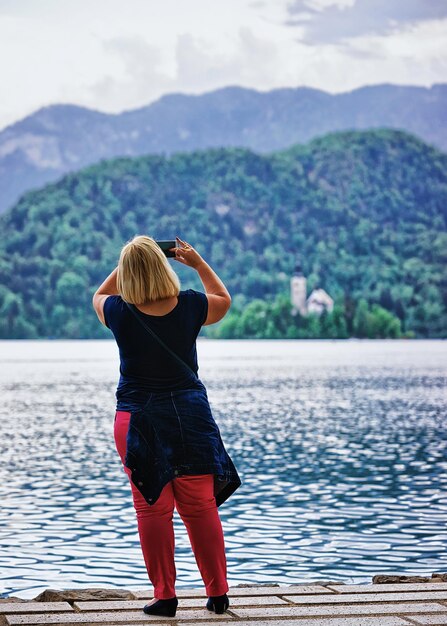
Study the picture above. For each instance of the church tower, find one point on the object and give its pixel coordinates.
(298, 290)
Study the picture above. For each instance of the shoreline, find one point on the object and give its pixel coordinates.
(389, 600)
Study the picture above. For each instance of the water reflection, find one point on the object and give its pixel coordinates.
(341, 447)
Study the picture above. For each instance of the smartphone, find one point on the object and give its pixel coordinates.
(165, 245)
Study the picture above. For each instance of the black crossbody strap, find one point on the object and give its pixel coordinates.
(155, 336)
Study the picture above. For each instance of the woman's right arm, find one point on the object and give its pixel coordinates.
(219, 299)
(106, 289)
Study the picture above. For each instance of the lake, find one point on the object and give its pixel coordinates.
(340, 445)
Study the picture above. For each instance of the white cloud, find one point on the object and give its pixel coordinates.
(251, 61)
(142, 75)
(110, 56)
(138, 75)
(329, 21)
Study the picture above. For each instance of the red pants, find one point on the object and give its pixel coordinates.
(194, 500)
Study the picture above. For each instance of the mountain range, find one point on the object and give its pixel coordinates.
(61, 138)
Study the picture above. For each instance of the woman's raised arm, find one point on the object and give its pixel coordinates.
(107, 288)
(219, 299)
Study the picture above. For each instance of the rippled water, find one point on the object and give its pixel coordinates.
(340, 445)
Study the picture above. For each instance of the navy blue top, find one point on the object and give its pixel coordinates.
(172, 431)
(145, 365)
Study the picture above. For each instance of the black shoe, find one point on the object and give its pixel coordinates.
(218, 604)
(162, 607)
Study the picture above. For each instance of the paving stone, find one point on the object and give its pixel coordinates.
(278, 591)
(431, 620)
(389, 588)
(291, 605)
(145, 594)
(114, 605)
(196, 603)
(34, 607)
(242, 591)
(327, 621)
(369, 597)
(107, 618)
(340, 610)
(254, 601)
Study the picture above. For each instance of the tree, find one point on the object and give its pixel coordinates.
(360, 327)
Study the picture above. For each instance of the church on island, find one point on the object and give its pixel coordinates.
(317, 301)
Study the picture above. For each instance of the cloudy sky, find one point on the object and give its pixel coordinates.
(114, 55)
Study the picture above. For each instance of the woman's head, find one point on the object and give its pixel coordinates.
(144, 273)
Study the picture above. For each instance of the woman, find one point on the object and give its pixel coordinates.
(168, 441)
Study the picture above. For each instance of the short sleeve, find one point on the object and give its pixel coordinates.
(200, 306)
(109, 309)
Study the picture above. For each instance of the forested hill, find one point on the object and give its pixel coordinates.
(62, 138)
(366, 212)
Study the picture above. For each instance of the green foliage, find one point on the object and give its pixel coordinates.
(365, 211)
(376, 322)
(273, 320)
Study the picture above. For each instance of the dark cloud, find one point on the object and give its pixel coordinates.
(334, 23)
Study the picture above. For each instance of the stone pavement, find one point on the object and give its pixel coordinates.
(321, 604)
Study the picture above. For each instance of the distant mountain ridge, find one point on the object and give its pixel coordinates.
(61, 138)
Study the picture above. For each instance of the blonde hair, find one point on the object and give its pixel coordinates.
(144, 273)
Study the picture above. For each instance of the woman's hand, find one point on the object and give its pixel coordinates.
(219, 300)
(186, 254)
